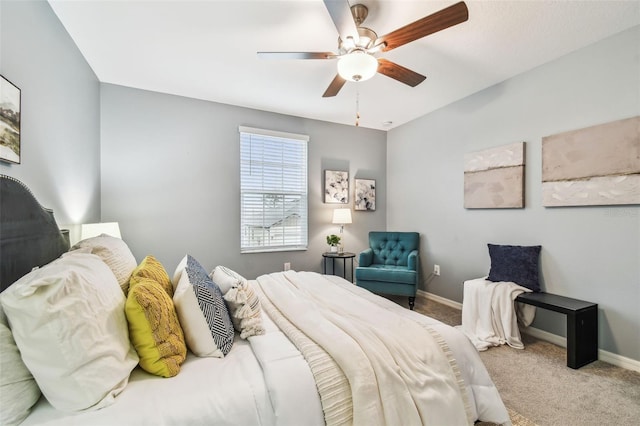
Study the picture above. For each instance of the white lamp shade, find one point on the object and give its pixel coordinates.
(341, 216)
(357, 66)
(89, 230)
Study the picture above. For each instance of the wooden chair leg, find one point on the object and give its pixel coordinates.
(412, 302)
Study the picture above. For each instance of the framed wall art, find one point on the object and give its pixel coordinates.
(365, 194)
(494, 178)
(593, 166)
(9, 121)
(336, 187)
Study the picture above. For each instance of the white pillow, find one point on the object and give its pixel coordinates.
(203, 314)
(178, 272)
(68, 321)
(115, 253)
(18, 390)
(227, 279)
(243, 302)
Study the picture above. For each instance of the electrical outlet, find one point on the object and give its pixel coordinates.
(287, 266)
(436, 270)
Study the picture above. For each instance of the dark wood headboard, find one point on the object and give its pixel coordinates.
(29, 235)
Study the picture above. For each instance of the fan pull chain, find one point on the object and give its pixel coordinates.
(357, 107)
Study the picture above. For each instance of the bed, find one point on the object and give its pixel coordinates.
(295, 348)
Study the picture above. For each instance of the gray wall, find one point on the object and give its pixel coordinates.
(171, 178)
(590, 253)
(60, 120)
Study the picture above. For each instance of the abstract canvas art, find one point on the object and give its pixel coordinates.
(365, 194)
(336, 187)
(597, 165)
(9, 121)
(494, 178)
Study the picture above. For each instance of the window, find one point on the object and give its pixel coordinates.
(273, 190)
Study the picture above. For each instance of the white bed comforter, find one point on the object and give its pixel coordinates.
(490, 314)
(399, 366)
(266, 380)
(262, 383)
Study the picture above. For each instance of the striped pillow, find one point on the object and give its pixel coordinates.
(202, 312)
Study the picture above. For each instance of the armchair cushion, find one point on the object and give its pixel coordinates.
(390, 273)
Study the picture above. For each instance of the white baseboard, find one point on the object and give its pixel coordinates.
(606, 356)
(440, 299)
(619, 360)
(545, 335)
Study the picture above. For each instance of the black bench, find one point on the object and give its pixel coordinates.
(582, 324)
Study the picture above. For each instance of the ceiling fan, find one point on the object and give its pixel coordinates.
(357, 45)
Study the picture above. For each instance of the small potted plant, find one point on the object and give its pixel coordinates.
(333, 240)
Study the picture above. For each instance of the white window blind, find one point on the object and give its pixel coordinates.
(273, 186)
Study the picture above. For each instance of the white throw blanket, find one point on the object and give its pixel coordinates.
(490, 314)
(397, 369)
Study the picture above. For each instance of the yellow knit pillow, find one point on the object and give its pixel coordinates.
(151, 268)
(154, 329)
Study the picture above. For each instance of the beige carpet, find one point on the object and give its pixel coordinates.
(538, 388)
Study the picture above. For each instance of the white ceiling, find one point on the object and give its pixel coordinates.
(207, 50)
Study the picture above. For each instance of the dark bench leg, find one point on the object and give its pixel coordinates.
(412, 302)
(582, 337)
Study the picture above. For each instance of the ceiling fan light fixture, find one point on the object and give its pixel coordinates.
(357, 66)
(348, 44)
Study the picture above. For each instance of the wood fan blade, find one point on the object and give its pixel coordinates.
(438, 21)
(400, 73)
(296, 55)
(342, 18)
(334, 87)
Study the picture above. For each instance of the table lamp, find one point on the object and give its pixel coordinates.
(89, 230)
(341, 217)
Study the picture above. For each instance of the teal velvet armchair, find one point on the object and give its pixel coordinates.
(390, 264)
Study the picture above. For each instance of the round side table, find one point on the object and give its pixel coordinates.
(333, 256)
